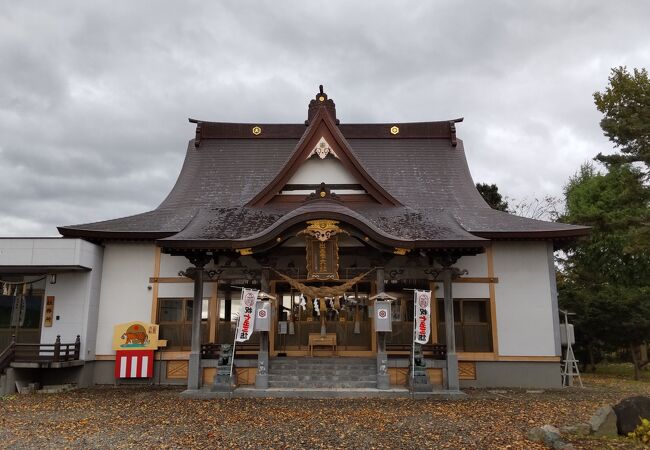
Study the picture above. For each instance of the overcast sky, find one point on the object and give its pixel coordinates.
(95, 96)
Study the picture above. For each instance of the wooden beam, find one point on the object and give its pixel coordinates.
(488, 279)
(493, 301)
(162, 356)
(158, 279)
(529, 358)
(156, 275)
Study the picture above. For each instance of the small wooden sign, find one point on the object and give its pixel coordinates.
(49, 311)
(323, 258)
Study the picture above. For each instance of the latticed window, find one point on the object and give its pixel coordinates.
(472, 324)
(175, 320)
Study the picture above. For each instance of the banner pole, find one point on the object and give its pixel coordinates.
(234, 344)
(415, 295)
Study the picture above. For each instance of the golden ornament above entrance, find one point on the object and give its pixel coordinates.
(323, 229)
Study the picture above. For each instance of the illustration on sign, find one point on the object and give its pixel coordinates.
(135, 336)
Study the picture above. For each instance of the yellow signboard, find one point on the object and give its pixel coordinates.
(135, 336)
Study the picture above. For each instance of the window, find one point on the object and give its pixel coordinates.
(472, 326)
(175, 320)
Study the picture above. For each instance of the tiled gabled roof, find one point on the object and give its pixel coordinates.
(423, 167)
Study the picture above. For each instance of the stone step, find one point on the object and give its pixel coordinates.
(322, 366)
(275, 377)
(323, 373)
(323, 384)
(316, 360)
(322, 369)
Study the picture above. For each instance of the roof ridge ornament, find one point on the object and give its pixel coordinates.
(321, 101)
(322, 149)
(452, 130)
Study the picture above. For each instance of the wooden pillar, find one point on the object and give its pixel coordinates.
(383, 379)
(452, 358)
(261, 377)
(194, 370)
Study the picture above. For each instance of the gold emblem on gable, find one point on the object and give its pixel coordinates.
(394, 130)
(257, 131)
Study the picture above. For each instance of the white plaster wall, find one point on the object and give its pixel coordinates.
(76, 298)
(124, 295)
(177, 290)
(70, 305)
(169, 267)
(523, 299)
(316, 171)
(94, 291)
(46, 252)
(476, 266)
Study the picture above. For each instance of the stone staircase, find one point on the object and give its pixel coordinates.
(323, 373)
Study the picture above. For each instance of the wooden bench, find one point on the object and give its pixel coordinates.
(319, 340)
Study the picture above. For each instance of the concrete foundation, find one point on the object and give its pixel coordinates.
(251, 392)
(489, 374)
(511, 374)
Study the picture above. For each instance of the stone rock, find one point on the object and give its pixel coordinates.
(547, 434)
(629, 412)
(603, 422)
(581, 429)
(561, 445)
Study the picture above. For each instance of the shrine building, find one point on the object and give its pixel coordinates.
(326, 219)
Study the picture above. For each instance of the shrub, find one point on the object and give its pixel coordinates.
(642, 432)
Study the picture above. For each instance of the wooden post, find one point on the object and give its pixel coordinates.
(383, 379)
(450, 332)
(261, 376)
(57, 348)
(194, 375)
(193, 381)
(77, 347)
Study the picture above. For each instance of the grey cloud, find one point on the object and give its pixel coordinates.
(94, 97)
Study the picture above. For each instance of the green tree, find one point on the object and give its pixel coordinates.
(606, 278)
(491, 195)
(625, 103)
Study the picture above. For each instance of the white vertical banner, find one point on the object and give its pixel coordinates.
(422, 317)
(246, 323)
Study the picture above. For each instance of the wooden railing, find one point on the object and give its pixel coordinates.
(7, 355)
(56, 352)
(435, 351)
(212, 351)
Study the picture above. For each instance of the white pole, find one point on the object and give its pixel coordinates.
(415, 295)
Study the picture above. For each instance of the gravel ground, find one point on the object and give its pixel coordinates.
(158, 418)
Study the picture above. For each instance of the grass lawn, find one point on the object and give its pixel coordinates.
(621, 370)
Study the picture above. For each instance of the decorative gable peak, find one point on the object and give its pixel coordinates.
(321, 101)
(322, 149)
